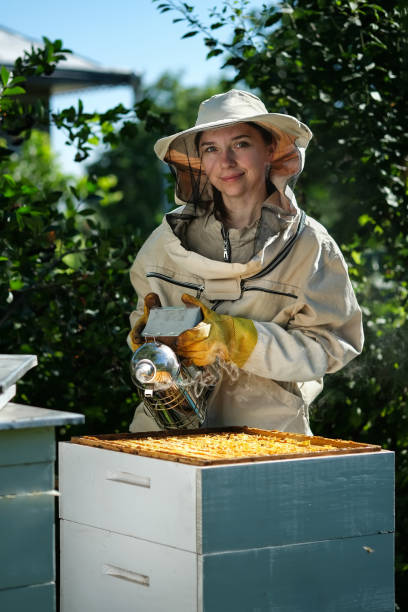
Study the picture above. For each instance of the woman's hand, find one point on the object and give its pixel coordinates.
(136, 340)
(230, 338)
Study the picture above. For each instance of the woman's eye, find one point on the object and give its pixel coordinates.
(242, 144)
(209, 149)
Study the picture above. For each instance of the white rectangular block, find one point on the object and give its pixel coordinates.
(103, 571)
(228, 507)
(137, 496)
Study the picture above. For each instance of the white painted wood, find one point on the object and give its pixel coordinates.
(21, 416)
(108, 572)
(137, 496)
(13, 367)
(199, 512)
(7, 395)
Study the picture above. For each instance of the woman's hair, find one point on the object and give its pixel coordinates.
(219, 206)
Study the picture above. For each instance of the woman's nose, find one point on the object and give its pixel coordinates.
(227, 157)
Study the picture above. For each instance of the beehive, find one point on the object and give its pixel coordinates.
(27, 495)
(278, 532)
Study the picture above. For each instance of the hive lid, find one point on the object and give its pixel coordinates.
(22, 416)
(197, 447)
(13, 367)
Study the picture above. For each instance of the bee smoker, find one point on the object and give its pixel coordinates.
(174, 393)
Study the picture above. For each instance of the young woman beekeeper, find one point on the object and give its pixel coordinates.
(270, 281)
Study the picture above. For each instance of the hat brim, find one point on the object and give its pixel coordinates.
(277, 123)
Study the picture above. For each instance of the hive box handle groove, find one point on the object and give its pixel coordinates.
(124, 574)
(128, 478)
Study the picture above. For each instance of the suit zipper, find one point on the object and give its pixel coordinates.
(198, 288)
(292, 295)
(227, 244)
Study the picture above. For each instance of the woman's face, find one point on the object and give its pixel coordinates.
(234, 158)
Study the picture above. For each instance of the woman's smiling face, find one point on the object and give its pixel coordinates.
(235, 158)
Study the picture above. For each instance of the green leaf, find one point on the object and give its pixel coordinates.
(16, 284)
(190, 34)
(54, 196)
(356, 257)
(214, 53)
(24, 210)
(74, 260)
(210, 42)
(9, 179)
(272, 20)
(13, 91)
(364, 219)
(107, 127)
(17, 79)
(29, 189)
(74, 192)
(4, 75)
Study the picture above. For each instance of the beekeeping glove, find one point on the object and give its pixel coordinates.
(230, 338)
(136, 340)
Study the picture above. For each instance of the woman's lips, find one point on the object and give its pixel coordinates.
(232, 177)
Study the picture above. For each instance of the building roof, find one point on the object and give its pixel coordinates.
(73, 73)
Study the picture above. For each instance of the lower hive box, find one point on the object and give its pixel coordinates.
(236, 519)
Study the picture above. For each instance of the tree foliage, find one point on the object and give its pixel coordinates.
(64, 292)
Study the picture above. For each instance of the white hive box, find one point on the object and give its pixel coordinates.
(300, 535)
(27, 495)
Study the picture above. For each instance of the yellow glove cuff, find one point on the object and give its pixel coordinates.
(245, 337)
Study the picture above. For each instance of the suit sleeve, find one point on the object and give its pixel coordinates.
(142, 288)
(323, 335)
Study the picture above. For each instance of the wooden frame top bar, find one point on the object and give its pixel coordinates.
(119, 443)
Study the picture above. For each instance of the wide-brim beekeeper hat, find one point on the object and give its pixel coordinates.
(235, 106)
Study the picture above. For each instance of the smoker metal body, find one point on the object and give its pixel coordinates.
(174, 393)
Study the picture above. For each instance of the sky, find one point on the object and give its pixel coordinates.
(129, 34)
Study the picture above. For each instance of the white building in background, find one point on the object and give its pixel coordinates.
(72, 74)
